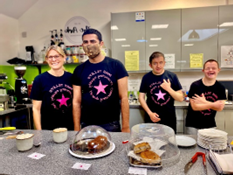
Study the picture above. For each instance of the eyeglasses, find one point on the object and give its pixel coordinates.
(55, 57)
(211, 68)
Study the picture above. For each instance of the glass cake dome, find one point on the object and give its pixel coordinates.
(152, 145)
(92, 142)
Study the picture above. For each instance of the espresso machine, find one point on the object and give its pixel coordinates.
(21, 88)
(3, 95)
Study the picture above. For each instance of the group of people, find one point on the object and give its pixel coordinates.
(97, 92)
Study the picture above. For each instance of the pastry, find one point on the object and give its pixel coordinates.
(141, 147)
(98, 144)
(149, 157)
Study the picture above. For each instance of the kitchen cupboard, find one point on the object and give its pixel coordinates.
(199, 35)
(128, 35)
(224, 121)
(225, 32)
(187, 34)
(163, 34)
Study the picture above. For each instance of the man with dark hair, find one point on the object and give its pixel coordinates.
(206, 96)
(100, 87)
(162, 87)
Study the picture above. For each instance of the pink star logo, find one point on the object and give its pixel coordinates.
(160, 95)
(100, 88)
(63, 101)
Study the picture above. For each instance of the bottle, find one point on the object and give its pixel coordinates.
(75, 58)
(41, 57)
(69, 59)
(68, 51)
(186, 96)
(81, 54)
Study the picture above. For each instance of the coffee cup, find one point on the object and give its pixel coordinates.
(24, 142)
(60, 135)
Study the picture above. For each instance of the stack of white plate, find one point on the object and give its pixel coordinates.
(213, 139)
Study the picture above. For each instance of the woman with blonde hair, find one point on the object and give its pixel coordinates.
(52, 94)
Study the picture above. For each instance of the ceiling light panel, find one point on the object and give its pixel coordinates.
(155, 39)
(153, 45)
(126, 45)
(160, 26)
(120, 39)
(226, 24)
(114, 28)
(188, 44)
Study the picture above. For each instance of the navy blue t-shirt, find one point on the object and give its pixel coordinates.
(159, 100)
(100, 97)
(56, 94)
(206, 118)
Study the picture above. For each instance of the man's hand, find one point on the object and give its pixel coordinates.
(166, 85)
(199, 99)
(154, 117)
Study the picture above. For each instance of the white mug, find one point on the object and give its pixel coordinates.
(60, 135)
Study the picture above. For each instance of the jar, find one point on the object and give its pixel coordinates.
(82, 58)
(68, 51)
(75, 58)
(75, 49)
(69, 58)
(81, 55)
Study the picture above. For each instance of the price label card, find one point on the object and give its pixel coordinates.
(81, 166)
(36, 156)
(141, 171)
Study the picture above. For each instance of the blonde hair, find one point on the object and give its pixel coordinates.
(57, 49)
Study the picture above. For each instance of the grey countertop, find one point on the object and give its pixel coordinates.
(59, 161)
(180, 105)
(12, 110)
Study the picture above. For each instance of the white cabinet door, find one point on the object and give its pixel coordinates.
(229, 122)
(220, 120)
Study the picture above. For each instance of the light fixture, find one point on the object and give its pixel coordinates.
(160, 26)
(188, 44)
(141, 40)
(126, 45)
(155, 39)
(226, 24)
(153, 45)
(194, 35)
(120, 39)
(114, 28)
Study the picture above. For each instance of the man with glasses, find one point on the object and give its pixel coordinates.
(207, 97)
(100, 88)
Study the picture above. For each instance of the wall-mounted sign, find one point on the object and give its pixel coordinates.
(227, 56)
(139, 16)
(74, 29)
(170, 61)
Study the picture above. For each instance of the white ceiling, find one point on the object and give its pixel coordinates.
(15, 8)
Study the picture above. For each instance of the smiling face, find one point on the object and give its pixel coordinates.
(157, 65)
(55, 60)
(211, 70)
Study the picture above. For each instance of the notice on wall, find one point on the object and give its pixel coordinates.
(196, 60)
(170, 61)
(226, 56)
(139, 16)
(132, 60)
(134, 82)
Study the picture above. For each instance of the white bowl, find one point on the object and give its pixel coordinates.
(24, 142)
(60, 135)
